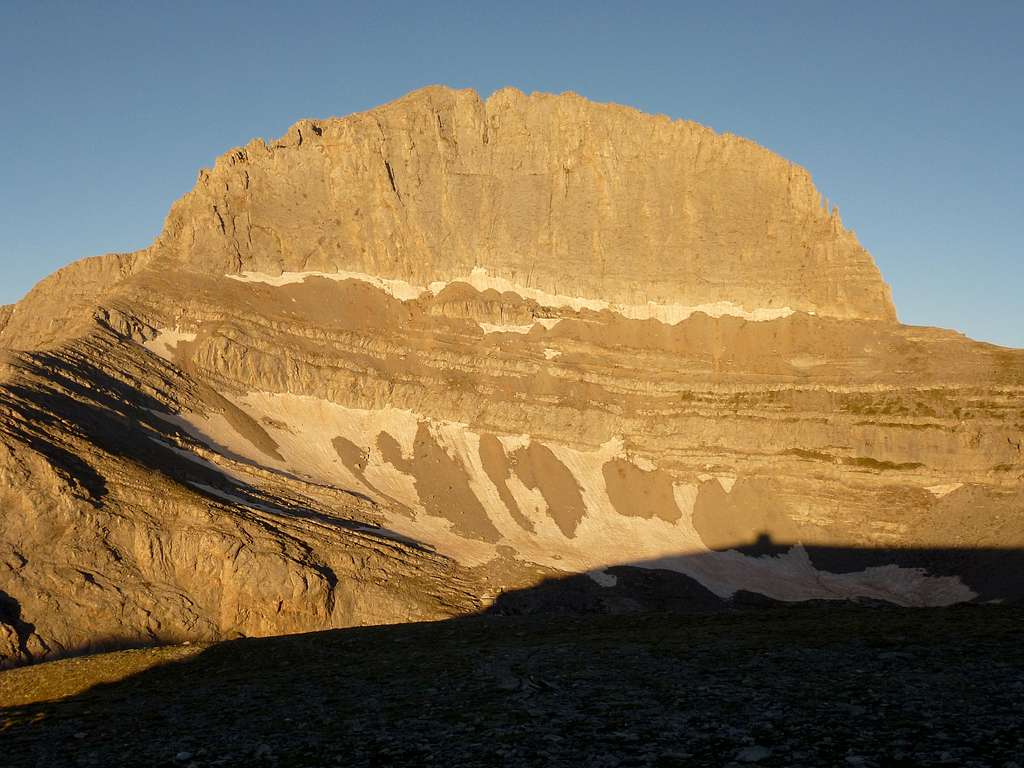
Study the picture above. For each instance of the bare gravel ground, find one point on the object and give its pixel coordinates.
(801, 686)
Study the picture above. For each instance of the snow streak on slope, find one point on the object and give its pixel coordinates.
(479, 278)
(373, 452)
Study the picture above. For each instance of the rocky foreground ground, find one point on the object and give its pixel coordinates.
(811, 686)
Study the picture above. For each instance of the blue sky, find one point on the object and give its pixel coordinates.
(908, 114)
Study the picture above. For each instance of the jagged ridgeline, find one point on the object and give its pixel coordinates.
(453, 355)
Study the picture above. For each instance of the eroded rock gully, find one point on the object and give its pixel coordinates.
(395, 364)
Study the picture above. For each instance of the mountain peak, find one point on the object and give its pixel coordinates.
(557, 192)
(398, 365)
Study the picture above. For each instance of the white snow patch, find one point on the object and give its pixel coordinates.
(480, 279)
(666, 313)
(232, 498)
(311, 424)
(492, 328)
(793, 577)
(726, 481)
(645, 464)
(165, 343)
(234, 475)
(807, 361)
(385, 533)
(604, 578)
(400, 289)
(602, 538)
(362, 527)
(545, 322)
(943, 490)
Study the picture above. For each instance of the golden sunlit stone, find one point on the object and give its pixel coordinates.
(393, 364)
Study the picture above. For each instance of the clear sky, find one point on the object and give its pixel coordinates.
(908, 114)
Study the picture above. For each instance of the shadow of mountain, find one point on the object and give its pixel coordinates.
(811, 684)
(10, 614)
(651, 663)
(925, 576)
(667, 586)
(626, 589)
(994, 574)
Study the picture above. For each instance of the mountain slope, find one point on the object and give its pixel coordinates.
(398, 363)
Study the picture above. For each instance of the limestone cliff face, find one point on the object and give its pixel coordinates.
(549, 192)
(398, 363)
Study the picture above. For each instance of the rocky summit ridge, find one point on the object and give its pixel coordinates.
(446, 355)
(554, 194)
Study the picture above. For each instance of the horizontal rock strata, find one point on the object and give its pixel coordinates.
(398, 363)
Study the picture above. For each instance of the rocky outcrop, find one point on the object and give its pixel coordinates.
(119, 530)
(62, 305)
(396, 364)
(554, 193)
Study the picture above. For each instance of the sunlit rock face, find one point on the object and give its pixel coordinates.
(396, 364)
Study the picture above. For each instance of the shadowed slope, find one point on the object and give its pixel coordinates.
(803, 685)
